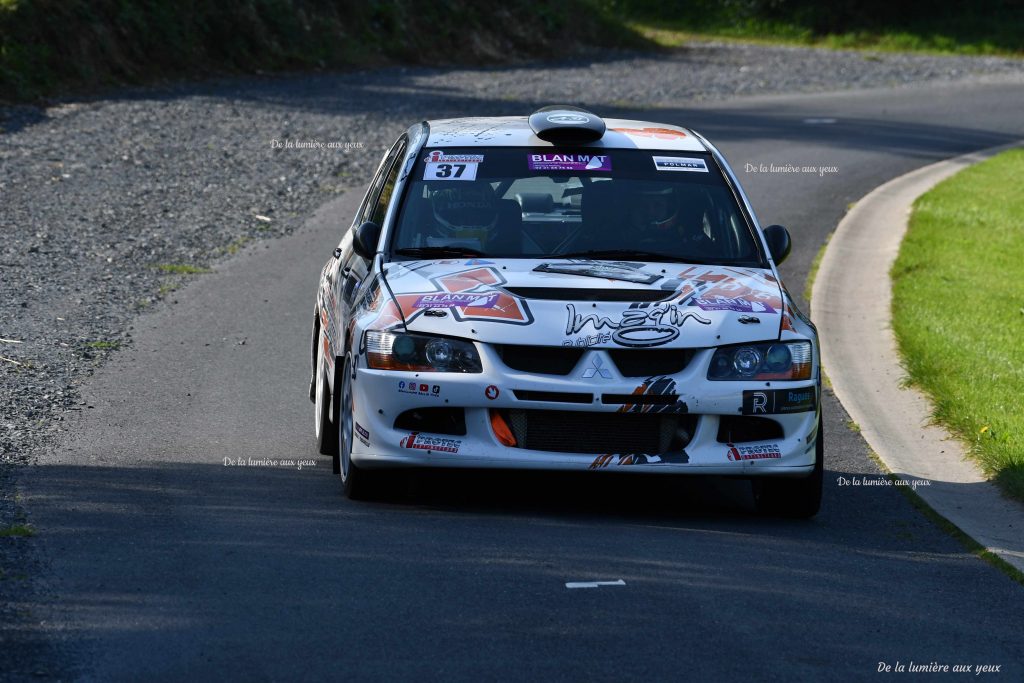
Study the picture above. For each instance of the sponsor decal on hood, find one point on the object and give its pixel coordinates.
(515, 301)
(724, 303)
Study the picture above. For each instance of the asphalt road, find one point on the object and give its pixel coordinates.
(163, 563)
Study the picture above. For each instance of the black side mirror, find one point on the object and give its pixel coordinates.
(365, 238)
(778, 241)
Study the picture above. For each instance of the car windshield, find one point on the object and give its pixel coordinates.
(594, 203)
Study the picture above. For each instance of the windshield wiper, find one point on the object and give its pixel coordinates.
(634, 254)
(438, 251)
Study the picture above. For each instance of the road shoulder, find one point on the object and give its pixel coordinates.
(851, 305)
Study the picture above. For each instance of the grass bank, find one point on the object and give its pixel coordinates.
(958, 310)
(982, 27)
(52, 47)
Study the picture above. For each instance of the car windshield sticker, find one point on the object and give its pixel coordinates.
(437, 156)
(610, 271)
(441, 166)
(680, 164)
(569, 162)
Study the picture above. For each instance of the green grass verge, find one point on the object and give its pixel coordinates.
(958, 310)
(17, 530)
(982, 27)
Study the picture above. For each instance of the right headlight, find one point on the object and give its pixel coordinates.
(772, 360)
(420, 353)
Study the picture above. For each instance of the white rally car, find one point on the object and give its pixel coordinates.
(562, 291)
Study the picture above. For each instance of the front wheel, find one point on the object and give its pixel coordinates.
(797, 498)
(356, 483)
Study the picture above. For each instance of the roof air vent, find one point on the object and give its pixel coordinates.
(565, 124)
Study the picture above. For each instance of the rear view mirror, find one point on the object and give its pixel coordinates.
(778, 241)
(365, 238)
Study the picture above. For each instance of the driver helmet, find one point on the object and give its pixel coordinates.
(468, 211)
(654, 208)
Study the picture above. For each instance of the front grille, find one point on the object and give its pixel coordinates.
(648, 362)
(553, 396)
(618, 295)
(543, 360)
(743, 429)
(640, 399)
(568, 431)
(435, 420)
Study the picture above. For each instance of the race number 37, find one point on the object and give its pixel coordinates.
(450, 171)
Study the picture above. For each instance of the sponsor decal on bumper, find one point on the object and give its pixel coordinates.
(779, 401)
(431, 443)
(758, 452)
(362, 434)
(418, 388)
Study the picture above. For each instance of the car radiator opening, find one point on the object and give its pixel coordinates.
(565, 431)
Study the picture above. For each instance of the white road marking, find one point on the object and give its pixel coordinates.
(594, 584)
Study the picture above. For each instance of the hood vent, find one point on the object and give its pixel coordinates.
(572, 294)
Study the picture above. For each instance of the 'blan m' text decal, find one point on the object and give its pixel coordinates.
(470, 295)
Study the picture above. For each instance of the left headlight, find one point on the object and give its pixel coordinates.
(419, 353)
(774, 360)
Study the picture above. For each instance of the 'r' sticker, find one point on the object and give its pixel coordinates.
(680, 164)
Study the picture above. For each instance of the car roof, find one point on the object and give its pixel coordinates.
(515, 131)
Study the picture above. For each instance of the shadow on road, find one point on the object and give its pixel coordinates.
(172, 569)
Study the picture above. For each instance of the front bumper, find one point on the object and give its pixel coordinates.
(381, 396)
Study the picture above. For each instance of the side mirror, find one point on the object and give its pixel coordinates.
(365, 238)
(778, 241)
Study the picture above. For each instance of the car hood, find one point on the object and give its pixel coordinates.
(608, 304)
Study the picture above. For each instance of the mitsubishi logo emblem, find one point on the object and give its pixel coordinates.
(597, 369)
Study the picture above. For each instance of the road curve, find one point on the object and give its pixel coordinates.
(163, 562)
(863, 364)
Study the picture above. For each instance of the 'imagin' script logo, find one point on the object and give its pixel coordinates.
(640, 326)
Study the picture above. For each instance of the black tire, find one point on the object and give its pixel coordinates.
(314, 344)
(325, 427)
(357, 483)
(795, 498)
